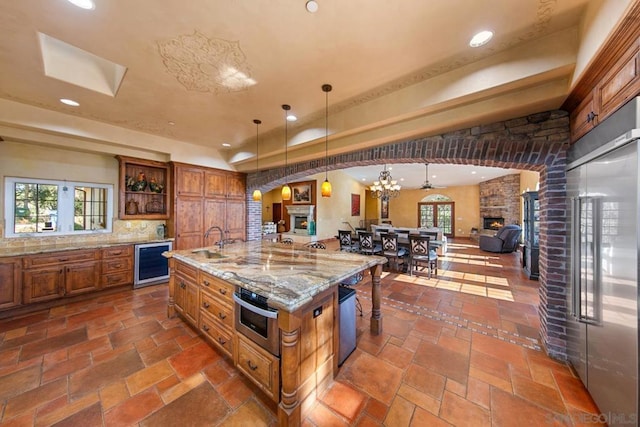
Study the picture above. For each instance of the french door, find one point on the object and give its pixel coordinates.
(437, 214)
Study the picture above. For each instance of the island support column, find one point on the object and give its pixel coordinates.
(171, 305)
(376, 313)
(289, 409)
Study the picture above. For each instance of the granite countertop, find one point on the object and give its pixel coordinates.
(41, 249)
(288, 275)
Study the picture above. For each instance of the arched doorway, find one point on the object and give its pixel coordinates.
(537, 143)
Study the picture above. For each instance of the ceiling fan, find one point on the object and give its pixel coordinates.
(427, 185)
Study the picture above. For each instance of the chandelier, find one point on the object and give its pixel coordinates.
(386, 187)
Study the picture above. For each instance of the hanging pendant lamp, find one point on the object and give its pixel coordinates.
(326, 185)
(257, 194)
(286, 190)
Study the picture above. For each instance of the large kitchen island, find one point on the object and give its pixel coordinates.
(247, 295)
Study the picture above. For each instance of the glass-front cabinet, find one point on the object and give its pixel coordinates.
(531, 223)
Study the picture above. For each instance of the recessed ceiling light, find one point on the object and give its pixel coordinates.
(312, 6)
(84, 4)
(481, 38)
(70, 102)
(473, 172)
(171, 123)
(226, 144)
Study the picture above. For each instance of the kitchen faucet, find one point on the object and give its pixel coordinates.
(215, 227)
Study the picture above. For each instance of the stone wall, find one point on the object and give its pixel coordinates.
(500, 198)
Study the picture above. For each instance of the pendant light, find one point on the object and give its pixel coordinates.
(326, 185)
(286, 190)
(257, 195)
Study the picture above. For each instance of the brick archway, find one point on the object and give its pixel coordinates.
(537, 142)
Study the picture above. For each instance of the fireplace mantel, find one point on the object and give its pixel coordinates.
(300, 210)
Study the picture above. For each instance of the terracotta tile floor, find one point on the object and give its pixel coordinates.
(459, 349)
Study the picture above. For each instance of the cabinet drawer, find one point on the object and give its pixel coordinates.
(217, 334)
(117, 251)
(60, 258)
(117, 279)
(217, 288)
(186, 270)
(260, 366)
(216, 309)
(117, 264)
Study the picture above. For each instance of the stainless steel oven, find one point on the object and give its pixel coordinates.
(256, 320)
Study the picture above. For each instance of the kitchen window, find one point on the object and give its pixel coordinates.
(36, 207)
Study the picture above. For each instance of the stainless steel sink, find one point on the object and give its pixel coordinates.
(207, 253)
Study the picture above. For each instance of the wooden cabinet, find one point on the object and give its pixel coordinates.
(259, 366)
(204, 197)
(217, 311)
(10, 282)
(65, 273)
(186, 292)
(531, 225)
(611, 81)
(42, 284)
(150, 202)
(117, 266)
(188, 223)
(225, 185)
(189, 180)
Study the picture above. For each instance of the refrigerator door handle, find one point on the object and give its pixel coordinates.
(586, 260)
(576, 261)
(596, 315)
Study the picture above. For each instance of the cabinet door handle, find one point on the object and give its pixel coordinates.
(117, 266)
(182, 285)
(251, 365)
(223, 291)
(222, 315)
(63, 259)
(205, 328)
(222, 340)
(206, 282)
(205, 304)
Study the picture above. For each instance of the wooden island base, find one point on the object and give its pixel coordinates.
(309, 334)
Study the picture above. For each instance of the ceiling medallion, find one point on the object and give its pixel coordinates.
(206, 65)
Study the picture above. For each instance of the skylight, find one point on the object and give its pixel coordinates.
(70, 64)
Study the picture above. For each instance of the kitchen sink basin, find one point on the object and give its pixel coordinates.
(207, 253)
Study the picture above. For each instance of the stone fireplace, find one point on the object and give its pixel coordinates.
(300, 216)
(500, 202)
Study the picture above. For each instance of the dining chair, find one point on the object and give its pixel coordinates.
(316, 245)
(367, 245)
(346, 242)
(392, 251)
(433, 235)
(421, 254)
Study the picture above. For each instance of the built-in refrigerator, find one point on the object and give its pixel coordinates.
(602, 326)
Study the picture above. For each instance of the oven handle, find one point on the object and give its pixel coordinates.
(258, 310)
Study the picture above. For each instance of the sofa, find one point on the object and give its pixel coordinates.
(386, 228)
(505, 240)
